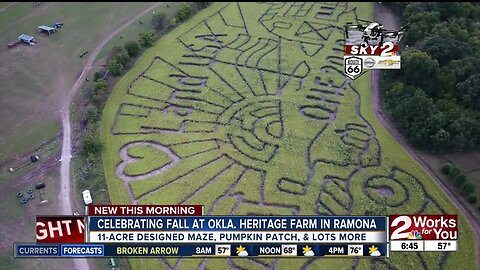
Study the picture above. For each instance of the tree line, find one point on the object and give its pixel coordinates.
(461, 181)
(434, 99)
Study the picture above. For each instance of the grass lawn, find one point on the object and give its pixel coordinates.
(250, 104)
(18, 220)
(131, 32)
(35, 79)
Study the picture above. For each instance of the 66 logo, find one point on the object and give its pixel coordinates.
(353, 66)
(425, 227)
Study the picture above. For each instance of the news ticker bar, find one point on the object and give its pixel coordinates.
(237, 229)
(28, 250)
(427, 245)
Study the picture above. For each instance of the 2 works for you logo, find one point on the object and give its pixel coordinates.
(423, 227)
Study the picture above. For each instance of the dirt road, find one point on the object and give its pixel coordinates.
(65, 194)
(387, 18)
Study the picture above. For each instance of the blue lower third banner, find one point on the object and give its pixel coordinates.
(29, 250)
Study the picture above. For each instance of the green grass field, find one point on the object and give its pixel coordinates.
(35, 79)
(131, 32)
(248, 110)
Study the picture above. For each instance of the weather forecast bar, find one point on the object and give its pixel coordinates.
(199, 250)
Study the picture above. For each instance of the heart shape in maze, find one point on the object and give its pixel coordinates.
(142, 160)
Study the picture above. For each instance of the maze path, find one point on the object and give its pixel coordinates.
(255, 116)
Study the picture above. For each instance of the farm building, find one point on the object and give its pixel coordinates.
(27, 39)
(46, 29)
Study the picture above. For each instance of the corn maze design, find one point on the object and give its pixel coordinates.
(256, 117)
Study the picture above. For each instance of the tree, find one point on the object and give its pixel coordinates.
(92, 145)
(449, 109)
(447, 168)
(468, 188)
(454, 172)
(446, 82)
(90, 93)
(464, 67)
(458, 27)
(466, 132)
(101, 84)
(147, 39)
(173, 22)
(440, 139)
(473, 199)
(120, 54)
(132, 48)
(469, 91)
(416, 117)
(98, 75)
(420, 24)
(443, 62)
(420, 70)
(444, 47)
(460, 179)
(184, 12)
(414, 8)
(115, 67)
(159, 21)
(450, 9)
(92, 115)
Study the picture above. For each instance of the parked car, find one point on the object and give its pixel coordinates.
(87, 197)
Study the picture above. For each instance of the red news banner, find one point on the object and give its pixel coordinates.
(423, 227)
(71, 229)
(60, 229)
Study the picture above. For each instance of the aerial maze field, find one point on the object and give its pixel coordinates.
(245, 109)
